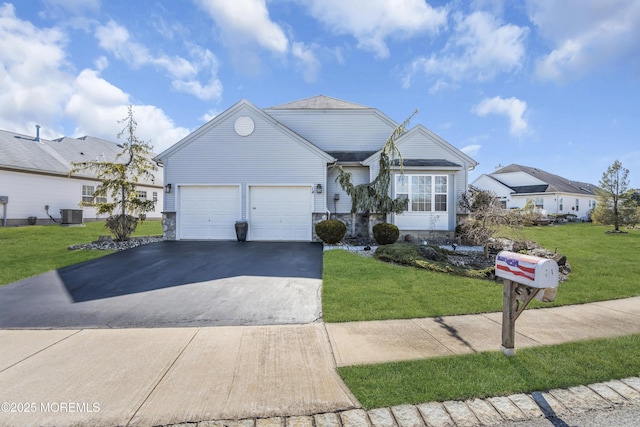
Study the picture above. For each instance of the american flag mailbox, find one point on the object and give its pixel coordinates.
(524, 277)
(527, 270)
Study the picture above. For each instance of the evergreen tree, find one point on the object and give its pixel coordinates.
(616, 205)
(119, 181)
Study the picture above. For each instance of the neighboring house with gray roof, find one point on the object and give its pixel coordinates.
(35, 174)
(515, 185)
(274, 169)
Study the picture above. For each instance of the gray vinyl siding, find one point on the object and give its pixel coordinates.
(268, 156)
(338, 130)
(360, 175)
(420, 146)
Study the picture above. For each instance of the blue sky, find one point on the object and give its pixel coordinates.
(543, 83)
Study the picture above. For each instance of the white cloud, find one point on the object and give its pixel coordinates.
(34, 83)
(39, 88)
(307, 61)
(480, 48)
(513, 108)
(471, 150)
(96, 106)
(372, 22)
(597, 35)
(116, 39)
(244, 22)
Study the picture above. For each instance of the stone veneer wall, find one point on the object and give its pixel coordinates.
(169, 225)
(358, 226)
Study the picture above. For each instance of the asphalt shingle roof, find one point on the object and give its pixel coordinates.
(320, 102)
(426, 163)
(351, 156)
(555, 183)
(23, 152)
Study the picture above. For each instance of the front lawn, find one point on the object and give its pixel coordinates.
(604, 266)
(31, 250)
(489, 374)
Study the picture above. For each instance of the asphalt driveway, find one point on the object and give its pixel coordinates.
(170, 284)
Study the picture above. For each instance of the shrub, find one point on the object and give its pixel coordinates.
(331, 231)
(385, 233)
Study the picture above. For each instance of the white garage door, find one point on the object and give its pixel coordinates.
(280, 213)
(208, 212)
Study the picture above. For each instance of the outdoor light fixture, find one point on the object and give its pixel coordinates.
(319, 188)
(168, 188)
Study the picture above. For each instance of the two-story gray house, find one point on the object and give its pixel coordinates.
(273, 168)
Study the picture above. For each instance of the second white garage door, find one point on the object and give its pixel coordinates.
(280, 213)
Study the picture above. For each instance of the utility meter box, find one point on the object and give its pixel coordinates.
(527, 270)
(4, 200)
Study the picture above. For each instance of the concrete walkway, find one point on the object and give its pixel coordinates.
(280, 375)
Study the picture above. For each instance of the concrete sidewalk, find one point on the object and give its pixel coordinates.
(360, 343)
(160, 376)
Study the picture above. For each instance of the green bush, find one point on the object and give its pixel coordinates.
(385, 233)
(331, 231)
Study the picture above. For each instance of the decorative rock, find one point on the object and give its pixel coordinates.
(435, 415)
(110, 245)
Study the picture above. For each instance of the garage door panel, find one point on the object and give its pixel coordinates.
(209, 212)
(280, 213)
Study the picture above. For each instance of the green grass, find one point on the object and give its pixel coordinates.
(604, 267)
(27, 251)
(359, 288)
(492, 374)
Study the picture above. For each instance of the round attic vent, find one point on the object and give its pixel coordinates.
(244, 126)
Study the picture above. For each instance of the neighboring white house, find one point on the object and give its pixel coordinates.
(35, 181)
(273, 169)
(515, 185)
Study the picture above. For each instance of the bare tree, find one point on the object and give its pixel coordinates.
(486, 217)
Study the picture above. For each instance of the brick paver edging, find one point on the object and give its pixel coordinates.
(471, 413)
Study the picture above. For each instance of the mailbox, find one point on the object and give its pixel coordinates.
(527, 270)
(525, 277)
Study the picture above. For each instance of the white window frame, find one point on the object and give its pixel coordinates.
(432, 199)
(87, 196)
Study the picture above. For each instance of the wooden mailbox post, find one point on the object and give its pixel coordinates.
(525, 277)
